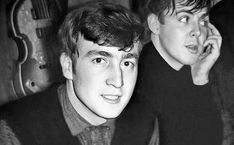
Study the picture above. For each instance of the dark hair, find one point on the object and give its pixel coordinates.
(102, 23)
(159, 6)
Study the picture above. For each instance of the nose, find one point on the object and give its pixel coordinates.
(115, 77)
(196, 30)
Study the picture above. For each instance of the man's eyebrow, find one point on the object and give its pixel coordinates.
(96, 52)
(107, 54)
(205, 15)
(183, 11)
(190, 12)
(131, 55)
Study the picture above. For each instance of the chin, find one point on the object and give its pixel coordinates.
(190, 62)
(111, 115)
(193, 62)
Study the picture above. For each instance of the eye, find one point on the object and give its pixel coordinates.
(184, 19)
(204, 22)
(128, 64)
(98, 60)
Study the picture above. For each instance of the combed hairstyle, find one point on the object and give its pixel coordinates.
(105, 24)
(159, 6)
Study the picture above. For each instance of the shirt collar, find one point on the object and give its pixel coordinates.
(75, 122)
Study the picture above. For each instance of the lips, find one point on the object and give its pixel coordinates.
(192, 49)
(112, 99)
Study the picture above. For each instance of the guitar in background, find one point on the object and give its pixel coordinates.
(33, 24)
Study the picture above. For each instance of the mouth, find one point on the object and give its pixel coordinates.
(192, 49)
(112, 99)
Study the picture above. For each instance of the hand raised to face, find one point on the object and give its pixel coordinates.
(212, 45)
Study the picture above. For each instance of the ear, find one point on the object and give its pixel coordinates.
(66, 64)
(153, 23)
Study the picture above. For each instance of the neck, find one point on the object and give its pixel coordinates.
(81, 108)
(164, 54)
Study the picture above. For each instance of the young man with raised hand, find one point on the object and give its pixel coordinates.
(175, 77)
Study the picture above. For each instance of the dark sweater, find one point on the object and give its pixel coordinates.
(187, 113)
(38, 120)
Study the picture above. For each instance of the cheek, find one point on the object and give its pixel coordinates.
(83, 76)
(172, 37)
(130, 81)
(203, 36)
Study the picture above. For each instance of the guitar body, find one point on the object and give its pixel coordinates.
(31, 24)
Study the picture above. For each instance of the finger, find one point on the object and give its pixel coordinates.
(214, 30)
(214, 47)
(214, 33)
(206, 52)
(215, 37)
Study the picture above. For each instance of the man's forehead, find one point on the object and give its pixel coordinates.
(84, 44)
(184, 5)
(191, 10)
(89, 48)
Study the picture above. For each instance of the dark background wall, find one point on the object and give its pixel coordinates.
(7, 57)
